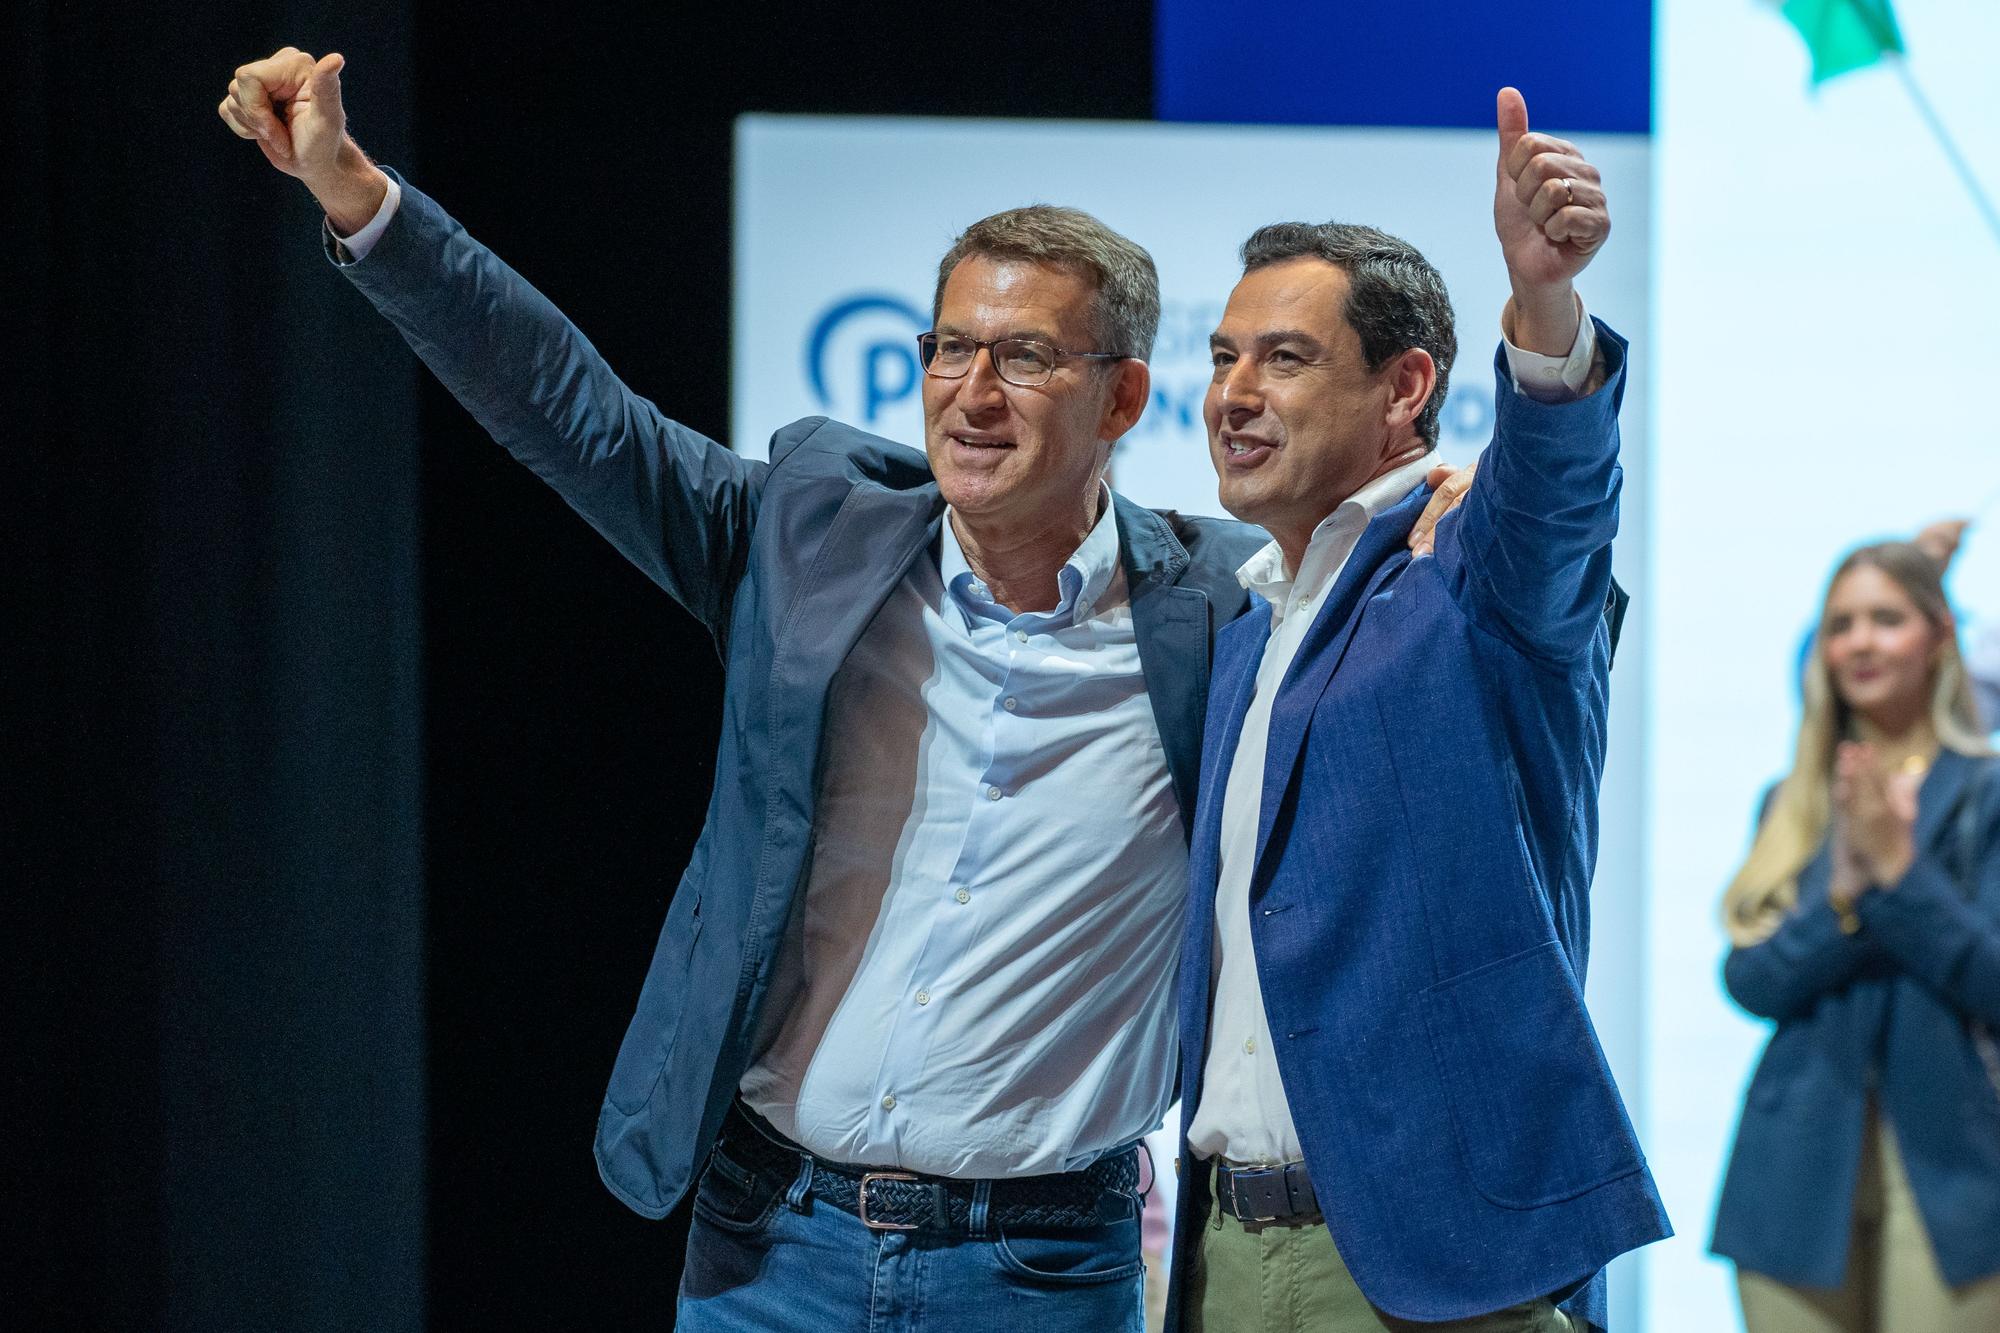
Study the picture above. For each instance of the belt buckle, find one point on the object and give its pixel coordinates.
(1236, 1182)
(870, 1222)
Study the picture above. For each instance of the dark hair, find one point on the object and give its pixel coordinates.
(1395, 299)
(1126, 314)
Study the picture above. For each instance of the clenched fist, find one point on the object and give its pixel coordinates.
(289, 104)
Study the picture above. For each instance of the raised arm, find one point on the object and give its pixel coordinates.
(1531, 557)
(674, 502)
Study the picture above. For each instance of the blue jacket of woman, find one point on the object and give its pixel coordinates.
(1883, 1012)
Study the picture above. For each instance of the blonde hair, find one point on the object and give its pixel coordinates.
(1766, 888)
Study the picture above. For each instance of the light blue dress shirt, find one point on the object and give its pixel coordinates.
(980, 981)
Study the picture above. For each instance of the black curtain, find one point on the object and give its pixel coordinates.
(217, 462)
(360, 771)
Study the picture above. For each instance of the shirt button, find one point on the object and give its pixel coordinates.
(1010, 703)
(963, 896)
(889, 1102)
(992, 793)
(1021, 635)
(1250, 1046)
(923, 997)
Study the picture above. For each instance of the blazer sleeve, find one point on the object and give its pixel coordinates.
(1807, 957)
(672, 501)
(1531, 559)
(1937, 936)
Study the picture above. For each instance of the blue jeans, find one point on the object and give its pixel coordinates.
(758, 1264)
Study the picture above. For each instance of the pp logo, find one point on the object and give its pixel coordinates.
(861, 356)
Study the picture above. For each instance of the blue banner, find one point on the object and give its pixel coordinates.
(1430, 63)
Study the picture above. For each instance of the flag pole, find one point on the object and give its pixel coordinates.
(1950, 147)
(1986, 505)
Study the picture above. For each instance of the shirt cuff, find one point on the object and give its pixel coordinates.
(1554, 379)
(355, 248)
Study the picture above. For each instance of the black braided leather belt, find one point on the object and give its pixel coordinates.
(1266, 1193)
(912, 1201)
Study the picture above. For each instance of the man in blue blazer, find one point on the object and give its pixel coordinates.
(1395, 1111)
(913, 1002)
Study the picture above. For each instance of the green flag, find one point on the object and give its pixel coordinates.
(1844, 34)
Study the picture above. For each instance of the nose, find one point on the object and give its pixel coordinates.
(1854, 641)
(981, 385)
(1242, 391)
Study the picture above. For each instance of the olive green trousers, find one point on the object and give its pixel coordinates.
(1276, 1277)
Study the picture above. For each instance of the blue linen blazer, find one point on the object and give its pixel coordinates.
(1419, 903)
(785, 562)
(1883, 1013)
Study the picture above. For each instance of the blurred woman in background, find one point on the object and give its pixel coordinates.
(1863, 1193)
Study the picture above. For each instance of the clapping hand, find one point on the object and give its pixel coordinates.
(1875, 816)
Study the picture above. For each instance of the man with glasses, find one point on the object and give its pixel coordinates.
(913, 1003)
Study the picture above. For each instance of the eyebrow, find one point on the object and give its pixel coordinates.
(1029, 334)
(1266, 341)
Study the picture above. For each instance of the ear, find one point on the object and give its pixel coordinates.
(1412, 377)
(1131, 388)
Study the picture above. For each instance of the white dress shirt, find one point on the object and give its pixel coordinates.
(1243, 1116)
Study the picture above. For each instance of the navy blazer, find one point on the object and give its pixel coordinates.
(785, 562)
(1419, 902)
(1883, 1012)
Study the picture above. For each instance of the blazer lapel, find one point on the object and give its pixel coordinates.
(1382, 551)
(1937, 802)
(870, 544)
(1238, 650)
(1171, 625)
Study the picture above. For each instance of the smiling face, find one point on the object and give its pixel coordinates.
(1881, 651)
(1296, 420)
(1015, 458)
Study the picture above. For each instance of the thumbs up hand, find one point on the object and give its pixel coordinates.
(1549, 211)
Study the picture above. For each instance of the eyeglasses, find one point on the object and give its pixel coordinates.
(1022, 361)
